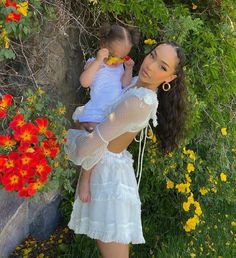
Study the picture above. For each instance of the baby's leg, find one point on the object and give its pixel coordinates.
(84, 186)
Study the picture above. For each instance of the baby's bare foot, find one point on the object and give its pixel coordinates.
(84, 190)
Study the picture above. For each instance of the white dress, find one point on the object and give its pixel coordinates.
(114, 213)
(106, 87)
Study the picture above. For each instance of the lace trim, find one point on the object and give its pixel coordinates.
(122, 233)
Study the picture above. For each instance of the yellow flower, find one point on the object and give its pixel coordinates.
(152, 136)
(213, 189)
(234, 150)
(4, 37)
(192, 155)
(64, 132)
(191, 199)
(190, 167)
(66, 157)
(223, 131)
(31, 99)
(191, 223)
(186, 206)
(93, 2)
(22, 8)
(56, 164)
(233, 223)
(150, 41)
(182, 188)
(198, 209)
(40, 91)
(188, 179)
(223, 177)
(62, 110)
(112, 60)
(169, 184)
(40, 255)
(194, 6)
(192, 255)
(203, 190)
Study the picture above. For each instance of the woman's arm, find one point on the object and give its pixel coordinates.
(128, 114)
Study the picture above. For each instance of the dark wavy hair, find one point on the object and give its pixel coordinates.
(172, 108)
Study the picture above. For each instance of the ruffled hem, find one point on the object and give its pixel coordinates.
(107, 236)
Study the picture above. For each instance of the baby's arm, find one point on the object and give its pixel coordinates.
(128, 73)
(90, 69)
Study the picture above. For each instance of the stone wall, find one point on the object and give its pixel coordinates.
(56, 61)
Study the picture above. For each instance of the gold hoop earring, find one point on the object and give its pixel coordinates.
(166, 86)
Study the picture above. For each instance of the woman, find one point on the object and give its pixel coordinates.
(113, 217)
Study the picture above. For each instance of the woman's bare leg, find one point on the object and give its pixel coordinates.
(113, 250)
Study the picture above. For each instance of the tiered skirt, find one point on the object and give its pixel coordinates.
(114, 213)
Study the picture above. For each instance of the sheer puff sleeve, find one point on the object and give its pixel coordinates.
(86, 149)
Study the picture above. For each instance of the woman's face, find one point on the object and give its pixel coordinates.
(158, 66)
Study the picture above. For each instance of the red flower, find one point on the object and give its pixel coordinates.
(24, 192)
(42, 125)
(3, 159)
(12, 16)
(17, 122)
(11, 161)
(7, 141)
(10, 3)
(25, 174)
(27, 160)
(42, 169)
(28, 133)
(5, 102)
(50, 147)
(33, 187)
(12, 181)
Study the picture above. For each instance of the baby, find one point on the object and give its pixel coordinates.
(106, 75)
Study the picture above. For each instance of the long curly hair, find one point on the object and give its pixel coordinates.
(172, 109)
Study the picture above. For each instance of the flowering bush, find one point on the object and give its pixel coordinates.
(30, 146)
(15, 23)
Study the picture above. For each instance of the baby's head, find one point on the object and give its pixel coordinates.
(117, 39)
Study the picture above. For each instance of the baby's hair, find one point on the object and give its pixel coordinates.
(110, 33)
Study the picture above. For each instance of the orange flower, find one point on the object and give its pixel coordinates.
(34, 186)
(7, 141)
(27, 159)
(25, 174)
(12, 181)
(4, 104)
(42, 124)
(42, 169)
(13, 15)
(50, 147)
(17, 122)
(11, 161)
(28, 133)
